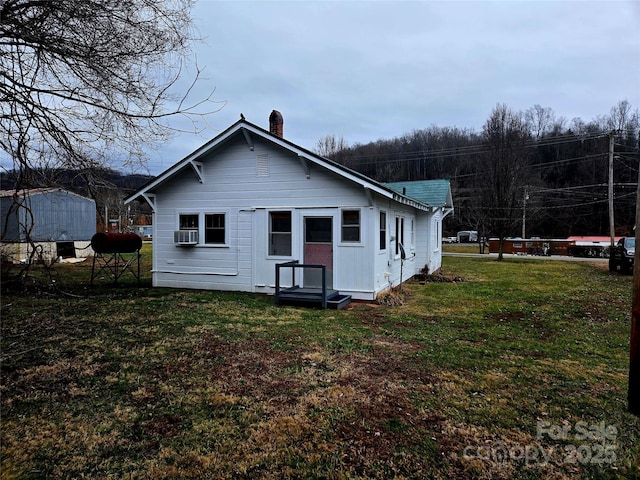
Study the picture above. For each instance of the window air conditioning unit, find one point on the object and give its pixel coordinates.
(185, 237)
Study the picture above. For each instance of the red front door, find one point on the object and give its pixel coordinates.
(318, 249)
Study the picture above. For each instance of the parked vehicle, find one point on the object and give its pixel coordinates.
(467, 236)
(621, 255)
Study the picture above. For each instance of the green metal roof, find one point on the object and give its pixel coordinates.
(435, 193)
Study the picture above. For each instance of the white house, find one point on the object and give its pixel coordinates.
(226, 214)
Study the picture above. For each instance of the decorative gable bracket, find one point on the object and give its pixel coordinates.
(367, 192)
(305, 166)
(197, 168)
(150, 198)
(248, 139)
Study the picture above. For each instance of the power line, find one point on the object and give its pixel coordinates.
(474, 149)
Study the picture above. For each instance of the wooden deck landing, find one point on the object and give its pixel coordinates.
(312, 297)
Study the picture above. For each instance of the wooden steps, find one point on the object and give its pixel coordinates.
(312, 297)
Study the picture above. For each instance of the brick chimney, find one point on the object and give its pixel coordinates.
(276, 122)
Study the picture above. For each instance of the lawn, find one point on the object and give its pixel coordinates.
(462, 248)
(518, 372)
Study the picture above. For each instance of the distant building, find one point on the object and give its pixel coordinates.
(58, 223)
(144, 231)
(467, 236)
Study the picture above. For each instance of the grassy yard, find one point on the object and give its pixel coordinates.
(457, 248)
(518, 372)
(462, 248)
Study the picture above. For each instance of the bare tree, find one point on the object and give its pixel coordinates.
(540, 120)
(624, 119)
(332, 147)
(85, 81)
(90, 79)
(502, 173)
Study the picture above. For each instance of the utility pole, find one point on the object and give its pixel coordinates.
(612, 225)
(524, 212)
(634, 354)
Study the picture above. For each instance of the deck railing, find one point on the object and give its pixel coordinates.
(293, 265)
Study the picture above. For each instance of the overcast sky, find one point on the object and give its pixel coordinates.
(375, 69)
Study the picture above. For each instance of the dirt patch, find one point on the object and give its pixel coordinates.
(253, 369)
(529, 321)
(361, 402)
(371, 314)
(162, 428)
(384, 420)
(393, 344)
(439, 277)
(394, 297)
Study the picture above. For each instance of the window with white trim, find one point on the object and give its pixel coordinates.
(188, 221)
(399, 233)
(214, 228)
(280, 234)
(350, 226)
(383, 230)
(412, 234)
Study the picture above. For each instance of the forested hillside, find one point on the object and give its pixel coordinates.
(556, 169)
(532, 166)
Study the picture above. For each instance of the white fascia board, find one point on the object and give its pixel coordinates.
(449, 198)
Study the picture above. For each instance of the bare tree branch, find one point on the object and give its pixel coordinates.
(79, 77)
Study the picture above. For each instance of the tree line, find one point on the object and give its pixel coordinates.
(525, 167)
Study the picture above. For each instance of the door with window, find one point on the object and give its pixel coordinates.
(318, 249)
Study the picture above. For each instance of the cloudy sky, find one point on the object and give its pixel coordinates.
(367, 70)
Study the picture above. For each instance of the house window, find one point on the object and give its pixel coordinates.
(399, 233)
(412, 234)
(214, 228)
(280, 233)
(383, 230)
(189, 222)
(351, 225)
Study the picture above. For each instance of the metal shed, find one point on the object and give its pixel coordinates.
(60, 222)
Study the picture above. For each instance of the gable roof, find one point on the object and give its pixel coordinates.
(248, 130)
(435, 193)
